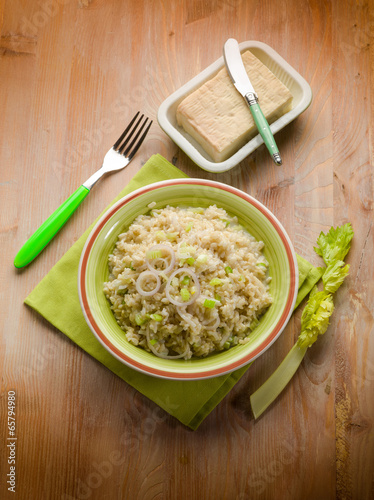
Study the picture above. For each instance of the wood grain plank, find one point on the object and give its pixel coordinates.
(353, 181)
(72, 73)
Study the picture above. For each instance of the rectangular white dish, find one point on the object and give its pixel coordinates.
(297, 85)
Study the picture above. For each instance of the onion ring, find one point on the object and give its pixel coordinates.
(212, 323)
(140, 281)
(163, 248)
(188, 272)
(164, 356)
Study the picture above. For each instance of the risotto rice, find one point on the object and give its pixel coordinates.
(187, 282)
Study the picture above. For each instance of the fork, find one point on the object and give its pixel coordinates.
(117, 158)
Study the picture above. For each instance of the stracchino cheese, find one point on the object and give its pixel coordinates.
(219, 119)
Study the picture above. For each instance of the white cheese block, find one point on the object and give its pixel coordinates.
(219, 119)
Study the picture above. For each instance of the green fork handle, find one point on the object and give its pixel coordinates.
(42, 236)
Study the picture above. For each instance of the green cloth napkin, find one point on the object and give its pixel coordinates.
(56, 299)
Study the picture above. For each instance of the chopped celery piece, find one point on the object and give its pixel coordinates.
(140, 319)
(156, 317)
(209, 303)
(190, 261)
(153, 341)
(215, 282)
(186, 280)
(160, 235)
(261, 264)
(171, 236)
(226, 345)
(228, 270)
(154, 254)
(189, 227)
(185, 251)
(185, 295)
(218, 297)
(202, 259)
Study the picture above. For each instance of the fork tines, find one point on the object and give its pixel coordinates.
(124, 141)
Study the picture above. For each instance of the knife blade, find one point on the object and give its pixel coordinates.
(242, 83)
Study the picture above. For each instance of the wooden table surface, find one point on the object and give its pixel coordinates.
(72, 73)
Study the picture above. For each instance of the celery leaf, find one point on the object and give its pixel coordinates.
(315, 317)
(334, 275)
(335, 244)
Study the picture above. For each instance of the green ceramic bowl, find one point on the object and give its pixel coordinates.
(257, 219)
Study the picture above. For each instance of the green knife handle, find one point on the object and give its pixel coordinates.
(42, 236)
(266, 134)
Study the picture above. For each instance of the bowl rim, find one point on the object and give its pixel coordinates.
(189, 148)
(209, 372)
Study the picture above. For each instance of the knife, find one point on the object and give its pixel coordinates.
(242, 83)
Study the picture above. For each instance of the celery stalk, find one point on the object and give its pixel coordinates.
(275, 384)
(332, 247)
